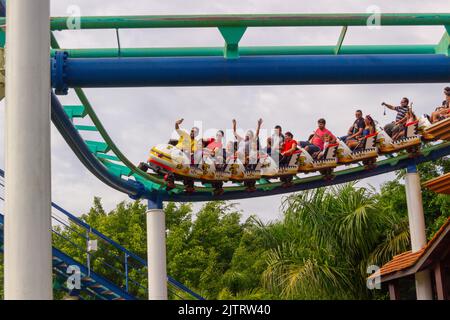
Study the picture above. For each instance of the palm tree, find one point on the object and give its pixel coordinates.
(326, 241)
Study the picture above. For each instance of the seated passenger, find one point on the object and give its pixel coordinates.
(214, 145)
(276, 142)
(327, 139)
(309, 146)
(248, 145)
(392, 127)
(289, 147)
(230, 151)
(269, 146)
(369, 128)
(319, 135)
(214, 148)
(356, 130)
(442, 112)
(409, 117)
(188, 142)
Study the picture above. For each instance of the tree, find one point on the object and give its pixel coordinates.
(324, 248)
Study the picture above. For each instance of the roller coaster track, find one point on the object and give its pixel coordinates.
(108, 163)
(105, 279)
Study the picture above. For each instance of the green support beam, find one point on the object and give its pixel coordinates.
(250, 20)
(232, 36)
(249, 51)
(444, 45)
(340, 40)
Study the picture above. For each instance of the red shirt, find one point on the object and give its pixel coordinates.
(319, 137)
(288, 145)
(213, 144)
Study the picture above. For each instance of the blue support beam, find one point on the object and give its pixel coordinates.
(2, 8)
(261, 70)
(155, 201)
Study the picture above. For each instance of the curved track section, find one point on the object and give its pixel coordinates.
(108, 164)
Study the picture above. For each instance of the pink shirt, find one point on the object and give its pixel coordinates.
(319, 137)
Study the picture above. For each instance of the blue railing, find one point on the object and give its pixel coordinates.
(120, 262)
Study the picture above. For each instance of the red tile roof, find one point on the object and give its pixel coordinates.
(408, 259)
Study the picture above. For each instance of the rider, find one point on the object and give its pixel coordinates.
(443, 111)
(309, 146)
(369, 128)
(275, 142)
(215, 146)
(289, 147)
(188, 142)
(391, 128)
(327, 139)
(356, 130)
(408, 118)
(319, 135)
(248, 146)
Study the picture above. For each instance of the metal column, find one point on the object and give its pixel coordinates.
(28, 249)
(156, 250)
(417, 229)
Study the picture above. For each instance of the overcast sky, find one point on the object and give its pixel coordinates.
(139, 118)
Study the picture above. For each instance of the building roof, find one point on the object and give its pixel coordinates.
(409, 262)
(440, 184)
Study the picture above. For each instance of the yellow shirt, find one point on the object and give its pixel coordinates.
(185, 143)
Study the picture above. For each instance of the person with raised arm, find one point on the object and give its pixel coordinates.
(188, 142)
(401, 110)
(248, 146)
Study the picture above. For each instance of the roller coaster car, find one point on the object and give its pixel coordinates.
(325, 165)
(239, 173)
(411, 141)
(175, 164)
(270, 169)
(436, 131)
(366, 151)
(165, 158)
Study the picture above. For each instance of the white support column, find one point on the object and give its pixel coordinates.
(156, 251)
(417, 229)
(28, 250)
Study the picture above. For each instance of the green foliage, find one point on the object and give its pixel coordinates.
(320, 249)
(328, 238)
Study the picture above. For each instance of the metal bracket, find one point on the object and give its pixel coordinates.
(232, 36)
(58, 73)
(118, 43)
(412, 168)
(443, 46)
(340, 40)
(155, 202)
